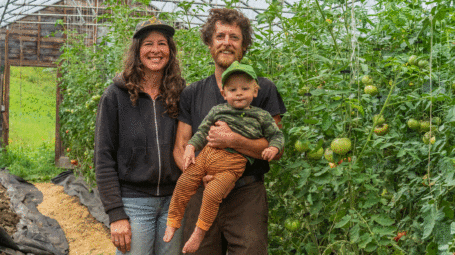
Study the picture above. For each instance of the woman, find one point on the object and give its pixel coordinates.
(134, 139)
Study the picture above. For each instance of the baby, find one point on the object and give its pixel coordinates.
(240, 86)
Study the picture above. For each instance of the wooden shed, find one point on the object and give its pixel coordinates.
(30, 36)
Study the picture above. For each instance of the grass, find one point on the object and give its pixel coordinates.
(30, 153)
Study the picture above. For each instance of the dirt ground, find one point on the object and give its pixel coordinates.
(8, 218)
(84, 233)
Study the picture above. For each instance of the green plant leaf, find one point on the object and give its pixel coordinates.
(343, 221)
(383, 220)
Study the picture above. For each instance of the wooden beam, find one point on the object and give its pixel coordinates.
(95, 29)
(41, 63)
(22, 32)
(35, 39)
(51, 46)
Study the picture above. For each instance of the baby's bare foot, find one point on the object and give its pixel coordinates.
(169, 233)
(195, 240)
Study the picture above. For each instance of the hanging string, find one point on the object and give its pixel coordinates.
(311, 39)
(431, 101)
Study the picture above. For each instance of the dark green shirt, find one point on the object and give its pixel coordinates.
(252, 123)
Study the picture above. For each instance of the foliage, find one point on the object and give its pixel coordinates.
(32, 106)
(30, 153)
(31, 163)
(387, 184)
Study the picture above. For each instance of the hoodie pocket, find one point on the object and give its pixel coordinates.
(141, 166)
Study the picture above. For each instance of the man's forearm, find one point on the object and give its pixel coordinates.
(249, 147)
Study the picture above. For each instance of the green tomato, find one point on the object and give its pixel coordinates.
(437, 121)
(424, 126)
(341, 146)
(378, 119)
(96, 98)
(328, 154)
(291, 224)
(302, 91)
(423, 63)
(315, 154)
(371, 90)
(412, 60)
(302, 146)
(367, 80)
(413, 124)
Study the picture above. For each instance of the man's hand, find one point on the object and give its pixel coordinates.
(269, 153)
(220, 136)
(188, 156)
(208, 178)
(121, 235)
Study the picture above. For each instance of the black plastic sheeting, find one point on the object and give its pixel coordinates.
(78, 187)
(6, 240)
(36, 233)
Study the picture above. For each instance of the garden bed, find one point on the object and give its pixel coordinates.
(8, 218)
(48, 220)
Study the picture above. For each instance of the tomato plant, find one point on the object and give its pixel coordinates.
(388, 181)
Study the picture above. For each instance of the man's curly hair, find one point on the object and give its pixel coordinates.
(172, 84)
(227, 16)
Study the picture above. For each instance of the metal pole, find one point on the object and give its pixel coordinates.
(61, 6)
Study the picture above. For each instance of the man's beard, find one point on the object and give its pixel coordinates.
(225, 62)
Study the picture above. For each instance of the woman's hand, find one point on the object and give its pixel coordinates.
(188, 156)
(121, 235)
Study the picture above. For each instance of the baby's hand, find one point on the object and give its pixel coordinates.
(188, 156)
(269, 153)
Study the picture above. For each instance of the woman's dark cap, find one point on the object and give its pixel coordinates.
(153, 24)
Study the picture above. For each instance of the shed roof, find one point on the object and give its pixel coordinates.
(12, 10)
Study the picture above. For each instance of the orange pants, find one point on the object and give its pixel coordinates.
(226, 168)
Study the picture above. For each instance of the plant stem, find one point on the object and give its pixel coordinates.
(330, 27)
(313, 238)
(372, 128)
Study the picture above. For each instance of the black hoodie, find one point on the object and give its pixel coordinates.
(133, 148)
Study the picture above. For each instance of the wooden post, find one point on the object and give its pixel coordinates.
(95, 28)
(38, 40)
(5, 114)
(58, 141)
(59, 152)
(5, 124)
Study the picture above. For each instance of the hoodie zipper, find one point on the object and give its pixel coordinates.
(159, 153)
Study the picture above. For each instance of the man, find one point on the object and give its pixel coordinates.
(241, 224)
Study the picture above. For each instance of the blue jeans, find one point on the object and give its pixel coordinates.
(148, 217)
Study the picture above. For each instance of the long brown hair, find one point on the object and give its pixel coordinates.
(227, 16)
(172, 83)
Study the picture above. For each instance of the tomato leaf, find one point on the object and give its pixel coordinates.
(310, 121)
(326, 122)
(383, 220)
(343, 221)
(355, 233)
